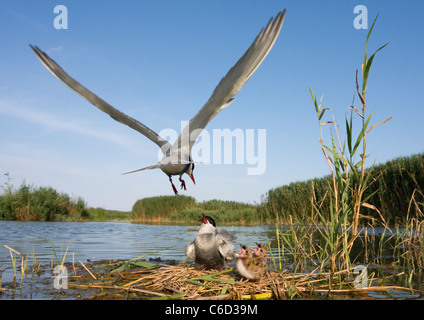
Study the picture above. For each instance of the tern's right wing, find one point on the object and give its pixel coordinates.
(223, 95)
(226, 247)
(117, 115)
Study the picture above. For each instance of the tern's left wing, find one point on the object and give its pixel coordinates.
(117, 115)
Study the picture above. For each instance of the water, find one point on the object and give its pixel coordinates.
(106, 240)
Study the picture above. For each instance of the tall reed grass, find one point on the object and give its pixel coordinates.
(397, 190)
(344, 190)
(29, 203)
(101, 214)
(184, 209)
(157, 209)
(325, 217)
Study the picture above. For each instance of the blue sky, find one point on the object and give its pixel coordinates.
(159, 61)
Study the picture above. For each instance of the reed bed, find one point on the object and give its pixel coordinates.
(394, 184)
(184, 209)
(29, 203)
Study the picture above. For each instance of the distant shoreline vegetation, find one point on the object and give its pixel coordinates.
(29, 203)
(398, 189)
(184, 209)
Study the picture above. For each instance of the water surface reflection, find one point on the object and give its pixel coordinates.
(107, 240)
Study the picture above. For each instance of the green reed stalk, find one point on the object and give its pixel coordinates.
(350, 178)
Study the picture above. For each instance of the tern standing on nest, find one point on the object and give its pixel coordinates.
(212, 248)
(177, 157)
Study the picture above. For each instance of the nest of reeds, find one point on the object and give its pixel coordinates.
(144, 280)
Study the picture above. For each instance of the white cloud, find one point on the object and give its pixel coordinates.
(52, 122)
(55, 49)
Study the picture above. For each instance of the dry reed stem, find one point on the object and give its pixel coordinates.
(90, 286)
(92, 275)
(367, 289)
(11, 249)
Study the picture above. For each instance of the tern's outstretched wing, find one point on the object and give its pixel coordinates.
(117, 115)
(223, 94)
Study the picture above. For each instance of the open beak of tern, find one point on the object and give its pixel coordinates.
(204, 220)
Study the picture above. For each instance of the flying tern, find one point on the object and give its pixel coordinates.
(177, 158)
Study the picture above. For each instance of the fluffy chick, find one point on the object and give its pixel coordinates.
(250, 266)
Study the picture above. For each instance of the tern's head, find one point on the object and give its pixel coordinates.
(208, 225)
(208, 220)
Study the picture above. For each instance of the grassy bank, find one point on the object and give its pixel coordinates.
(183, 209)
(101, 215)
(396, 190)
(29, 203)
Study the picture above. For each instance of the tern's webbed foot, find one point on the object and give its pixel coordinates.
(183, 185)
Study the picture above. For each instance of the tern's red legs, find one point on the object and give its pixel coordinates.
(173, 187)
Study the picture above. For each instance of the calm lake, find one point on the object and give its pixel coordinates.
(107, 240)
